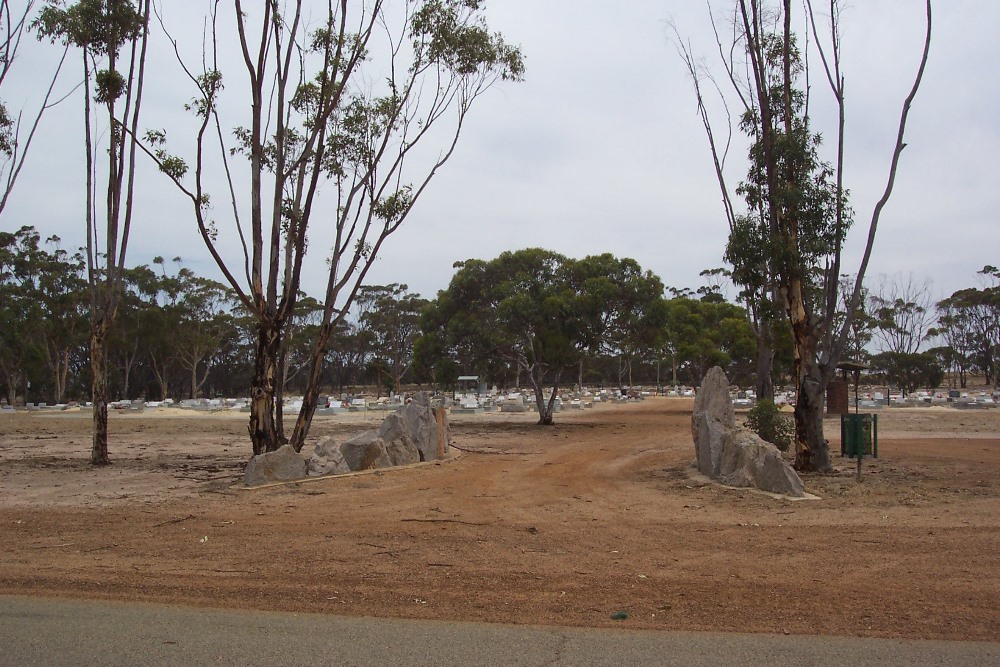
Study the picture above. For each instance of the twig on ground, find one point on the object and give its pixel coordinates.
(165, 523)
(467, 523)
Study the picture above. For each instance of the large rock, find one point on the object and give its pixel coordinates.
(419, 418)
(399, 445)
(283, 465)
(713, 399)
(709, 441)
(365, 451)
(711, 418)
(749, 461)
(732, 454)
(326, 459)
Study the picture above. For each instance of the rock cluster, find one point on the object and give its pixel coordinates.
(732, 454)
(416, 433)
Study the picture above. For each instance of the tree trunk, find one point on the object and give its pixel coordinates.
(263, 433)
(535, 374)
(194, 381)
(812, 452)
(317, 362)
(765, 363)
(99, 396)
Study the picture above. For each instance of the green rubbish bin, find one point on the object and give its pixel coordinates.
(859, 435)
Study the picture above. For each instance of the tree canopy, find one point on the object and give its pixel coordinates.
(536, 312)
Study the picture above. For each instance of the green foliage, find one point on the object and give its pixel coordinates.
(389, 321)
(701, 333)
(443, 33)
(909, 371)
(969, 323)
(100, 26)
(791, 223)
(767, 421)
(537, 312)
(6, 131)
(43, 300)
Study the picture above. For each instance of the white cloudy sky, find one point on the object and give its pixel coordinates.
(600, 148)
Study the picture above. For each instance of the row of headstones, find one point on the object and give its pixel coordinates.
(416, 433)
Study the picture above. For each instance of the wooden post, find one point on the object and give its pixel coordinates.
(441, 417)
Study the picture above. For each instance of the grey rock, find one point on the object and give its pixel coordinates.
(365, 451)
(749, 461)
(283, 465)
(398, 443)
(709, 445)
(713, 399)
(423, 427)
(326, 459)
(711, 418)
(732, 454)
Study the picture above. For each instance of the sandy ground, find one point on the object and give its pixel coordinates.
(569, 525)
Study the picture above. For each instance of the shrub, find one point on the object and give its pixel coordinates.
(766, 420)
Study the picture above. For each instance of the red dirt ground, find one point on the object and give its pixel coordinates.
(565, 525)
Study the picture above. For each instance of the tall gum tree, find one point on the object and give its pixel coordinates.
(796, 202)
(111, 36)
(540, 313)
(353, 108)
(521, 307)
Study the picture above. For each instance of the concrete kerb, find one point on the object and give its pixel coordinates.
(447, 458)
(695, 476)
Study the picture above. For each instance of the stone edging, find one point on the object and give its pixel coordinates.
(448, 458)
(695, 476)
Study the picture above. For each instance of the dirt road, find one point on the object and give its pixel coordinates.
(568, 525)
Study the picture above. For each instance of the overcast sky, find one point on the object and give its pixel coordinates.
(600, 149)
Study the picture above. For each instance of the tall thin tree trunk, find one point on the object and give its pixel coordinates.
(317, 363)
(765, 362)
(535, 374)
(99, 395)
(263, 432)
(812, 452)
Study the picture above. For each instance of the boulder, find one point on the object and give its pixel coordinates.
(713, 399)
(731, 454)
(365, 451)
(711, 418)
(710, 439)
(419, 418)
(326, 459)
(283, 465)
(749, 461)
(399, 445)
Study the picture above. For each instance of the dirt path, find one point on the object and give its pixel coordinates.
(563, 526)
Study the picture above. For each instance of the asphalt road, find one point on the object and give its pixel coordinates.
(71, 632)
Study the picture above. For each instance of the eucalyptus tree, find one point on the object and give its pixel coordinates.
(789, 235)
(347, 121)
(903, 313)
(390, 314)
(204, 324)
(111, 36)
(969, 322)
(701, 333)
(622, 310)
(42, 297)
(522, 308)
